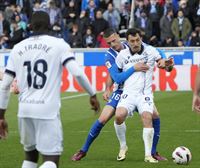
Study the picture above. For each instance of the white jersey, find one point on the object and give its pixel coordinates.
(138, 82)
(37, 64)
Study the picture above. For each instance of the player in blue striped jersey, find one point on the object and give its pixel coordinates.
(113, 40)
(109, 109)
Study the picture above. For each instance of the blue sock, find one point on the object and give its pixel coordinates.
(156, 126)
(94, 132)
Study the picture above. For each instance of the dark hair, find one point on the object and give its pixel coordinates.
(40, 22)
(132, 32)
(108, 32)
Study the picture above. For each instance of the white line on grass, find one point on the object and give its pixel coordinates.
(74, 96)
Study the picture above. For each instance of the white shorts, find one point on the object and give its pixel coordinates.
(136, 102)
(44, 135)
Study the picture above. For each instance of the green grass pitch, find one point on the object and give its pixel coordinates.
(179, 126)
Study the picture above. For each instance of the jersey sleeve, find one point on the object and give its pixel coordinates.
(67, 53)
(10, 67)
(109, 60)
(156, 54)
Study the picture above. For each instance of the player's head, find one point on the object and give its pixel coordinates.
(40, 22)
(112, 39)
(134, 39)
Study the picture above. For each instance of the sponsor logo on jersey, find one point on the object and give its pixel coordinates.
(108, 64)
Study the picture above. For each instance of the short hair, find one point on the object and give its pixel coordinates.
(40, 22)
(108, 32)
(132, 32)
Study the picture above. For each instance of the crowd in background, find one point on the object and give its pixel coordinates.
(81, 23)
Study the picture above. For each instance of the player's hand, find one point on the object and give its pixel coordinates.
(95, 104)
(169, 64)
(141, 67)
(196, 103)
(3, 129)
(161, 64)
(14, 88)
(106, 95)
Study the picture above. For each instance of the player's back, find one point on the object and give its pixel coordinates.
(37, 62)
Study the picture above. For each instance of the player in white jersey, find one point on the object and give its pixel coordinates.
(196, 94)
(37, 64)
(137, 91)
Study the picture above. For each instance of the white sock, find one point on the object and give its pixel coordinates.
(121, 134)
(48, 164)
(29, 164)
(148, 140)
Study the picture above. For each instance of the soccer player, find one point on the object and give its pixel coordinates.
(37, 64)
(137, 91)
(112, 38)
(196, 93)
(109, 109)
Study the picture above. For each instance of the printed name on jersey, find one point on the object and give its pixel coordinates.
(108, 64)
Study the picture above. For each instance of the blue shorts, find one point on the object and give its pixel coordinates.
(114, 98)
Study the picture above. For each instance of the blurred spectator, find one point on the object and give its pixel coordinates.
(9, 12)
(195, 37)
(22, 14)
(180, 43)
(4, 26)
(103, 4)
(75, 37)
(144, 24)
(55, 16)
(125, 15)
(166, 34)
(91, 9)
(168, 5)
(16, 34)
(20, 23)
(155, 12)
(86, 3)
(154, 41)
(100, 24)
(112, 16)
(101, 42)
(196, 13)
(181, 27)
(83, 22)
(70, 14)
(76, 4)
(140, 6)
(89, 40)
(183, 5)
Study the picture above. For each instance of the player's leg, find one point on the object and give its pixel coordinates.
(96, 128)
(49, 140)
(120, 128)
(106, 114)
(145, 107)
(27, 138)
(156, 126)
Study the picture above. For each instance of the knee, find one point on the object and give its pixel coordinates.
(120, 116)
(147, 119)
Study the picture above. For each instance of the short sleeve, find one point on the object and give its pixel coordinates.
(109, 60)
(67, 53)
(10, 67)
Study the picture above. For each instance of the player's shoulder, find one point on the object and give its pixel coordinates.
(125, 51)
(149, 48)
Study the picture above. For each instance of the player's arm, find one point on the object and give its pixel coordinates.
(4, 98)
(196, 92)
(108, 90)
(164, 62)
(82, 79)
(119, 77)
